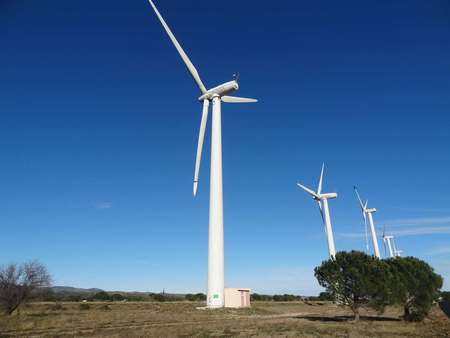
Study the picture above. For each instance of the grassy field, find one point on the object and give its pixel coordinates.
(182, 319)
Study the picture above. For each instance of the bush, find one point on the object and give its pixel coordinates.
(117, 297)
(159, 297)
(195, 297)
(355, 279)
(84, 306)
(258, 297)
(416, 286)
(135, 298)
(286, 298)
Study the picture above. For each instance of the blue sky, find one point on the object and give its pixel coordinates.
(99, 123)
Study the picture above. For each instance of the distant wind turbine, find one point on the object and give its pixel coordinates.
(322, 200)
(390, 243)
(397, 253)
(387, 244)
(367, 212)
(215, 95)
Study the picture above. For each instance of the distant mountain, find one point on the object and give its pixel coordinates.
(72, 290)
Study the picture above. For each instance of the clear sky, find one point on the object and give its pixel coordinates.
(99, 123)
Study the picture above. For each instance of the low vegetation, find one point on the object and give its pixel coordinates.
(183, 319)
(387, 296)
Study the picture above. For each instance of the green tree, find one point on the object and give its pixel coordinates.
(355, 279)
(102, 295)
(416, 286)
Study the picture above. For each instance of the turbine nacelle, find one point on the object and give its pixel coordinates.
(370, 211)
(221, 90)
(328, 196)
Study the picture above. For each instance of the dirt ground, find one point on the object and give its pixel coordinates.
(182, 319)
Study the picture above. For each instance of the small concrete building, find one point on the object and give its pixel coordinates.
(237, 297)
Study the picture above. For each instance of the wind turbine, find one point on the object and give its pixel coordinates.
(216, 95)
(367, 212)
(397, 253)
(322, 200)
(387, 242)
(390, 242)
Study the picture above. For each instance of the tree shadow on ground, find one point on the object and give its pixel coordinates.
(348, 318)
(445, 307)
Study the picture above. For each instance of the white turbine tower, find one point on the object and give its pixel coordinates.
(367, 213)
(216, 95)
(322, 200)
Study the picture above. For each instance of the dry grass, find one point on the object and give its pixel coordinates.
(264, 319)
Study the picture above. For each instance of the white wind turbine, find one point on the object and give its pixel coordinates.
(367, 213)
(397, 253)
(390, 243)
(322, 200)
(387, 243)
(216, 95)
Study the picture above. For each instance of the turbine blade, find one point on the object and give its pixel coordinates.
(359, 198)
(321, 214)
(201, 137)
(319, 188)
(309, 191)
(234, 99)
(180, 50)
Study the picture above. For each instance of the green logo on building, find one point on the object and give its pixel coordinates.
(216, 296)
